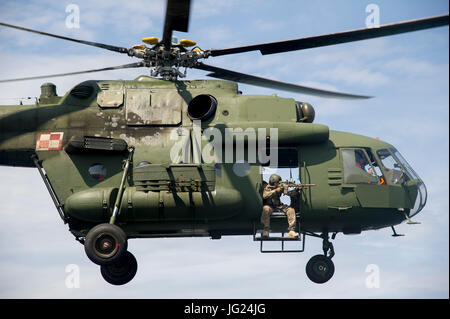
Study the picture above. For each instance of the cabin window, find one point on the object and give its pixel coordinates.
(375, 167)
(358, 168)
(97, 171)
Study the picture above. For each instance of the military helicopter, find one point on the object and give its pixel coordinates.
(113, 140)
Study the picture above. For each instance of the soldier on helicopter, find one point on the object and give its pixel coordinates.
(271, 199)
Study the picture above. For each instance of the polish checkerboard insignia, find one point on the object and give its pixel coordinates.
(49, 141)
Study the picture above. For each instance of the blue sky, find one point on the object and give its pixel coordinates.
(407, 74)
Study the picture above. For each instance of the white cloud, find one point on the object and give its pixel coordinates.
(351, 75)
(412, 67)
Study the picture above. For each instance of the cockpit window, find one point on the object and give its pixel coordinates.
(421, 200)
(394, 172)
(404, 163)
(358, 168)
(398, 171)
(375, 168)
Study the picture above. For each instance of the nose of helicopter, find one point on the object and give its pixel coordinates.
(421, 199)
(410, 180)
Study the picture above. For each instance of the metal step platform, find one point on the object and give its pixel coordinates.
(280, 237)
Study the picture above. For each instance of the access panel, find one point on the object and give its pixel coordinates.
(145, 107)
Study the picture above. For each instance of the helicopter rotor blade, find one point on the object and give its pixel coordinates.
(272, 84)
(177, 18)
(337, 38)
(95, 44)
(125, 66)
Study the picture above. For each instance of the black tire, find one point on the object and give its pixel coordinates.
(105, 244)
(120, 272)
(320, 269)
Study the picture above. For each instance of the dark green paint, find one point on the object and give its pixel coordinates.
(163, 199)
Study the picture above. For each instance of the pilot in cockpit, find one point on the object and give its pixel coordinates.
(362, 163)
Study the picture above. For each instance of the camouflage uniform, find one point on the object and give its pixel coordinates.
(271, 199)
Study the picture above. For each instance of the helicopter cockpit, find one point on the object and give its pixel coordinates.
(398, 171)
(383, 171)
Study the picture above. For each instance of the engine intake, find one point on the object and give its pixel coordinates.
(202, 107)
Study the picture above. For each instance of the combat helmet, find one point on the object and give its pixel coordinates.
(274, 178)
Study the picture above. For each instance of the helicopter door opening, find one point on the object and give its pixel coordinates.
(145, 107)
(287, 168)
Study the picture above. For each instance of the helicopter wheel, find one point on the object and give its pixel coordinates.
(120, 272)
(320, 269)
(105, 244)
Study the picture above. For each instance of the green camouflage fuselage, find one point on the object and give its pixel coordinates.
(163, 198)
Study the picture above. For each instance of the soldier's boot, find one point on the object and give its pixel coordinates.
(290, 212)
(293, 234)
(265, 220)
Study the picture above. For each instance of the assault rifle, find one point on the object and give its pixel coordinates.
(287, 184)
(292, 184)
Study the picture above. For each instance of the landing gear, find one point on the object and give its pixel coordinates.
(320, 268)
(105, 244)
(327, 246)
(120, 272)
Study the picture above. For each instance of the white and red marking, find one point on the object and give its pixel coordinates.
(49, 141)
